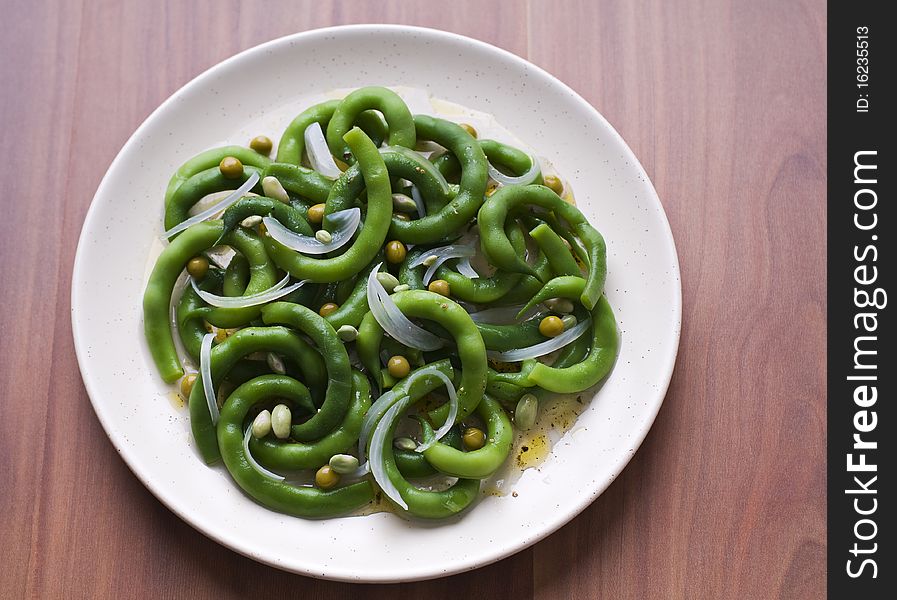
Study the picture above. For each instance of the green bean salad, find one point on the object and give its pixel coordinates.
(389, 300)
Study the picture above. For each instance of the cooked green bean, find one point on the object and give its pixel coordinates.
(301, 501)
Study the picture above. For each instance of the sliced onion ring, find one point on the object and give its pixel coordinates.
(382, 404)
(371, 417)
(377, 462)
(272, 293)
(465, 268)
(344, 223)
(419, 202)
(393, 322)
(543, 348)
(453, 404)
(217, 208)
(319, 153)
(525, 179)
(253, 463)
(205, 371)
(442, 254)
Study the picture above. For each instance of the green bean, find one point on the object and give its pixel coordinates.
(236, 277)
(594, 367)
(188, 193)
(476, 464)
(471, 350)
(401, 163)
(457, 213)
(518, 378)
(426, 504)
(447, 164)
(344, 289)
(413, 277)
(557, 253)
(227, 354)
(208, 160)
(336, 361)
(414, 465)
(292, 143)
(190, 308)
(398, 118)
(367, 344)
(501, 338)
(565, 286)
(509, 387)
(276, 454)
(355, 306)
(484, 290)
(262, 275)
(373, 232)
(504, 392)
(499, 250)
(299, 501)
(300, 181)
(515, 161)
(157, 296)
(291, 217)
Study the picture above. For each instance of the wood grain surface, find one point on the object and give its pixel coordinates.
(723, 102)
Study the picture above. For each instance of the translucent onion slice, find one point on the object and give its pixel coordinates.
(458, 252)
(442, 254)
(382, 404)
(272, 293)
(371, 417)
(252, 462)
(466, 269)
(205, 371)
(344, 224)
(378, 440)
(419, 201)
(543, 348)
(525, 179)
(217, 208)
(319, 153)
(453, 404)
(393, 322)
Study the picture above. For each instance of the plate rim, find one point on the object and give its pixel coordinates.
(552, 524)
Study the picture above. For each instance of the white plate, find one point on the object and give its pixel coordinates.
(259, 91)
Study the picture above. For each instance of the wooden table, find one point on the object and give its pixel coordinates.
(724, 104)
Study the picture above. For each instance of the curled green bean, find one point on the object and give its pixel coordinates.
(227, 354)
(209, 159)
(476, 464)
(336, 362)
(462, 208)
(291, 455)
(188, 193)
(373, 232)
(593, 368)
(398, 118)
(302, 501)
(498, 248)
